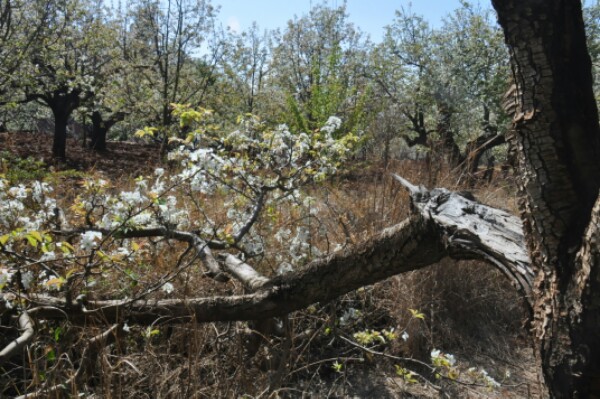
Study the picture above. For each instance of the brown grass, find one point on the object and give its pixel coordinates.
(470, 311)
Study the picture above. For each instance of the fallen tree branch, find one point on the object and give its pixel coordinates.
(471, 230)
(243, 272)
(407, 246)
(444, 224)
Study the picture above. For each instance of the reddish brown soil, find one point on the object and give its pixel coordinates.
(121, 158)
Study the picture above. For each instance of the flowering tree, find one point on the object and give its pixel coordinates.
(105, 243)
(136, 257)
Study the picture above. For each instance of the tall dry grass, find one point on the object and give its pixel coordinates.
(470, 311)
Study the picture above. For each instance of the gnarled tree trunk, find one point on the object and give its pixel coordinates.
(558, 144)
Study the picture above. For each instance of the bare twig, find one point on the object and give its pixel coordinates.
(26, 325)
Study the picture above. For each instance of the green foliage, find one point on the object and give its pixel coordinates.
(416, 314)
(19, 170)
(320, 71)
(337, 367)
(407, 375)
(373, 337)
(22, 170)
(457, 73)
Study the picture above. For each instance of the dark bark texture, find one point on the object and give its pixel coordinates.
(558, 144)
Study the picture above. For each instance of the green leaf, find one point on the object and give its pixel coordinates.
(50, 354)
(37, 235)
(57, 333)
(56, 282)
(68, 246)
(149, 333)
(4, 239)
(32, 241)
(416, 314)
(337, 367)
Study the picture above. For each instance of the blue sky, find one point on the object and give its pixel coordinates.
(370, 15)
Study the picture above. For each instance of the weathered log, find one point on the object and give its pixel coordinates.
(470, 229)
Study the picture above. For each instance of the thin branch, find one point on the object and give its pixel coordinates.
(26, 325)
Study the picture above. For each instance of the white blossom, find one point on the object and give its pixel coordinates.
(142, 219)
(26, 279)
(283, 235)
(5, 276)
(168, 288)
(451, 359)
(349, 315)
(19, 192)
(332, 124)
(133, 198)
(48, 256)
(89, 238)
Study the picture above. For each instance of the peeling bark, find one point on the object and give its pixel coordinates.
(473, 230)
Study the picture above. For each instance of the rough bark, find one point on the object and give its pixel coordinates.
(558, 143)
(473, 230)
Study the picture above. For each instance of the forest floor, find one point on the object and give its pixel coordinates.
(472, 312)
(122, 159)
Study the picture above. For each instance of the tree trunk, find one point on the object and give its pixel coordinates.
(558, 144)
(61, 119)
(477, 147)
(446, 135)
(101, 126)
(99, 131)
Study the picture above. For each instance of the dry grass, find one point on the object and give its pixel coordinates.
(470, 311)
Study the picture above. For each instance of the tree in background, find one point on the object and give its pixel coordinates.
(472, 61)
(447, 83)
(165, 37)
(318, 64)
(64, 62)
(109, 103)
(245, 68)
